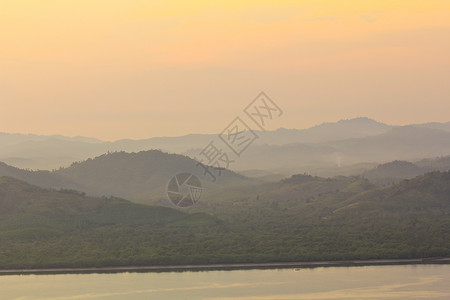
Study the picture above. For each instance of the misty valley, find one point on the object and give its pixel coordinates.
(113, 209)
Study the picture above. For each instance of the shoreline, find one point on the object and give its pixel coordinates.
(237, 266)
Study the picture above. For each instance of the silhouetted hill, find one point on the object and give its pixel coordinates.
(135, 176)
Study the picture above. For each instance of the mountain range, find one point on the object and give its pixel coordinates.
(144, 176)
(398, 143)
(330, 144)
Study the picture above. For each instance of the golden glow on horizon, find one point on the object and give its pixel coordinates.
(103, 68)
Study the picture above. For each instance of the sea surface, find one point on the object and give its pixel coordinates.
(367, 282)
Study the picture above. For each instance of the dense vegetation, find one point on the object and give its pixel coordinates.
(300, 218)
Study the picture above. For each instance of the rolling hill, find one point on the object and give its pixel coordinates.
(397, 170)
(334, 217)
(44, 227)
(297, 219)
(134, 176)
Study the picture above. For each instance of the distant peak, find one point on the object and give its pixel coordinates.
(359, 120)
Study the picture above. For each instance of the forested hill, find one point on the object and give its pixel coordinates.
(48, 228)
(134, 176)
(19, 200)
(397, 170)
(298, 219)
(306, 217)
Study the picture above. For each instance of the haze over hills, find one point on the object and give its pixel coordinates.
(399, 143)
(143, 176)
(135, 176)
(238, 219)
(52, 152)
(435, 125)
(397, 170)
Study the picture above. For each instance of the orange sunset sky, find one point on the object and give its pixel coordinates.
(135, 69)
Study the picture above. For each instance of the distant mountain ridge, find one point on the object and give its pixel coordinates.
(435, 125)
(399, 143)
(53, 152)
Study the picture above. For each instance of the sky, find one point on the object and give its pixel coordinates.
(136, 69)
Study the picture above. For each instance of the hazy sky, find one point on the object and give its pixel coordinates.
(115, 69)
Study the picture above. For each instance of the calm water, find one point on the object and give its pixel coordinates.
(372, 282)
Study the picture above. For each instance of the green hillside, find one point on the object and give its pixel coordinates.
(42, 227)
(307, 217)
(297, 219)
(134, 176)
